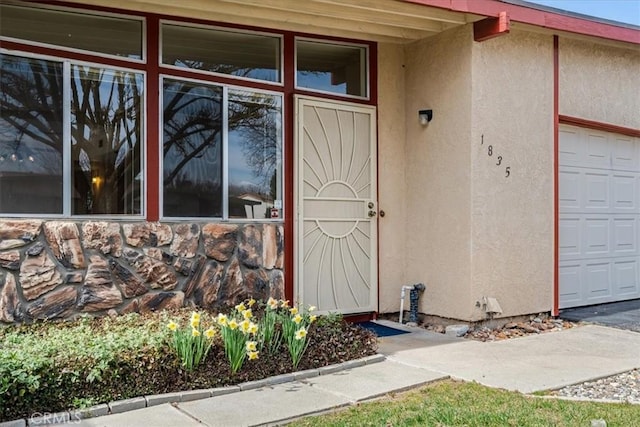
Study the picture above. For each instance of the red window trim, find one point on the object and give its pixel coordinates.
(154, 70)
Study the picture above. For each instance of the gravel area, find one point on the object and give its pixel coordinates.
(623, 387)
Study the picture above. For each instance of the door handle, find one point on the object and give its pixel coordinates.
(372, 213)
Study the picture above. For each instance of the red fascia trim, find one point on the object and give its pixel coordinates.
(556, 177)
(489, 28)
(537, 17)
(607, 127)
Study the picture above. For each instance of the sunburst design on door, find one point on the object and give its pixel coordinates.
(336, 187)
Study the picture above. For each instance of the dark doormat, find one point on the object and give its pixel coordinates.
(380, 330)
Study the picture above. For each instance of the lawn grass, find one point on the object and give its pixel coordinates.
(451, 403)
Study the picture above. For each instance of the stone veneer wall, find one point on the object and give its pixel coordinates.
(58, 269)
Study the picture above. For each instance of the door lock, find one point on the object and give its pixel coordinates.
(372, 213)
(370, 205)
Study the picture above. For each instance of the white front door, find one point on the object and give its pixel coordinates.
(336, 220)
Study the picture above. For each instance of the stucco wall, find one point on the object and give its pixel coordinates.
(391, 172)
(512, 217)
(438, 77)
(600, 82)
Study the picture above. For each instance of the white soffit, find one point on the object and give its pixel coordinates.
(394, 21)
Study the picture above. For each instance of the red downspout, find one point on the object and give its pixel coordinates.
(556, 194)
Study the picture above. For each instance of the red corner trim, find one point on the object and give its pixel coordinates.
(556, 178)
(537, 17)
(607, 127)
(489, 28)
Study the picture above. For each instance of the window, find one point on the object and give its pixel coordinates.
(106, 124)
(31, 136)
(102, 110)
(331, 67)
(101, 34)
(216, 141)
(240, 54)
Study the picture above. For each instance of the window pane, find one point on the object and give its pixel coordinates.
(255, 154)
(331, 67)
(30, 136)
(106, 123)
(113, 36)
(192, 148)
(226, 52)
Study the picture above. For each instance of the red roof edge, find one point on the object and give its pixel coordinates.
(541, 18)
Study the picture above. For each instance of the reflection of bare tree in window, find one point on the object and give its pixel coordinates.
(31, 101)
(106, 123)
(30, 135)
(105, 128)
(256, 118)
(192, 167)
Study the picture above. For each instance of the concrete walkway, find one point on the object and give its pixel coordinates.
(527, 364)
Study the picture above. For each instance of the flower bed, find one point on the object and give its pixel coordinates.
(51, 367)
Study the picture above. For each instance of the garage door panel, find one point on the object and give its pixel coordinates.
(570, 275)
(570, 199)
(625, 275)
(624, 154)
(598, 151)
(624, 192)
(596, 231)
(598, 279)
(625, 236)
(599, 214)
(569, 229)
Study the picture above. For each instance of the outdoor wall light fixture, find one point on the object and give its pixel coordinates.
(425, 116)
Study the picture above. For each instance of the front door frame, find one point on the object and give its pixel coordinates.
(298, 256)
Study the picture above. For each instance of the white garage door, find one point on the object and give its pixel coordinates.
(599, 226)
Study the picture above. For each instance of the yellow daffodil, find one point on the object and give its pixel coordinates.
(294, 310)
(233, 325)
(252, 355)
(210, 333)
(272, 303)
(222, 319)
(195, 319)
(301, 333)
(312, 318)
(312, 308)
(247, 314)
(251, 345)
(195, 332)
(253, 328)
(284, 303)
(251, 302)
(244, 325)
(241, 307)
(172, 325)
(297, 319)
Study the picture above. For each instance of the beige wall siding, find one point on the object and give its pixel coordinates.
(391, 172)
(512, 217)
(438, 76)
(600, 83)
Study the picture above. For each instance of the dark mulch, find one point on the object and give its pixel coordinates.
(157, 371)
